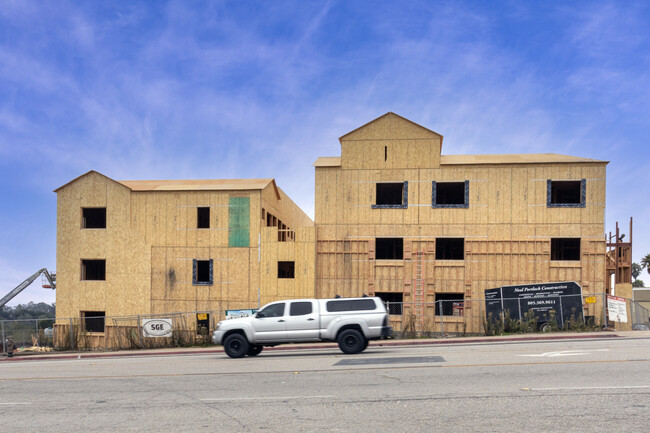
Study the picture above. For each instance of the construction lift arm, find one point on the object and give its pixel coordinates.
(22, 286)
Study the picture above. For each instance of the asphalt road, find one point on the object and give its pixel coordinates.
(581, 385)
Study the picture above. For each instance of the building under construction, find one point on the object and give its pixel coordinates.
(394, 217)
(397, 218)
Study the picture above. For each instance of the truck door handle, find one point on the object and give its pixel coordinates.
(281, 320)
(310, 319)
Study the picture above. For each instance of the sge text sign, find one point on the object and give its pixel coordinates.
(156, 327)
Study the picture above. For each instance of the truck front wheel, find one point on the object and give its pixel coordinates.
(236, 346)
(351, 341)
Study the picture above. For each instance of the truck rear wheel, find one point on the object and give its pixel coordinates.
(351, 341)
(236, 346)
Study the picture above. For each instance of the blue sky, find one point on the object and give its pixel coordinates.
(244, 89)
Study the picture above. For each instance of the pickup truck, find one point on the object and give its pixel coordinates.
(351, 322)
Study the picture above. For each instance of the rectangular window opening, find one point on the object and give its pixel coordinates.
(202, 324)
(389, 248)
(449, 304)
(286, 269)
(394, 301)
(93, 270)
(202, 217)
(450, 249)
(565, 249)
(566, 193)
(450, 194)
(93, 218)
(202, 272)
(391, 195)
(93, 321)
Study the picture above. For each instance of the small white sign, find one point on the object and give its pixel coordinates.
(235, 314)
(617, 308)
(157, 327)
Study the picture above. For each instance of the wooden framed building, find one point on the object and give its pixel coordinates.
(394, 217)
(398, 219)
(153, 247)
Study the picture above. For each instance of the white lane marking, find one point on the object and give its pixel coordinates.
(582, 388)
(267, 398)
(14, 403)
(566, 353)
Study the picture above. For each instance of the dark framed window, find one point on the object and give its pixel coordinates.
(300, 308)
(449, 304)
(389, 248)
(286, 269)
(393, 300)
(93, 217)
(566, 193)
(565, 249)
(450, 249)
(93, 321)
(391, 195)
(450, 194)
(202, 272)
(93, 270)
(202, 217)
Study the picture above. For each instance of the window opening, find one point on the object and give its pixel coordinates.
(385, 153)
(286, 269)
(450, 194)
(450, 248)
(300, 308)
(391, 195)
(389, 248)
(565, 249)
(394, 301)
(450, 304)
(93, 321)
(93, 270)
(566, 193)
(202, 324)
(93, 218)
(202, 272)
(203, 218)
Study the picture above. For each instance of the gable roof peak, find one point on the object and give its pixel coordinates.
(388, 124)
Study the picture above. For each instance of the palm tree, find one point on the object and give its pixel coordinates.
(645, 262)
(636, 270)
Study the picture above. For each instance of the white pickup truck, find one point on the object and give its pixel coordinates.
(351, 322)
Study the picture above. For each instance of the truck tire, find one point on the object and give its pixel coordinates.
(351, 341)
(254, 349)
(236, 345)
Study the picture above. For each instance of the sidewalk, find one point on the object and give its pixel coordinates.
(40, 356)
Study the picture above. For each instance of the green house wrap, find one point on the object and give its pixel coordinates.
(239, 222)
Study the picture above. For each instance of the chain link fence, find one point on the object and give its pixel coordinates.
(33, 333)
(444, 318)
(449, 318)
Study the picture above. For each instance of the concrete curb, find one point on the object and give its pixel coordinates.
(380, 343)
